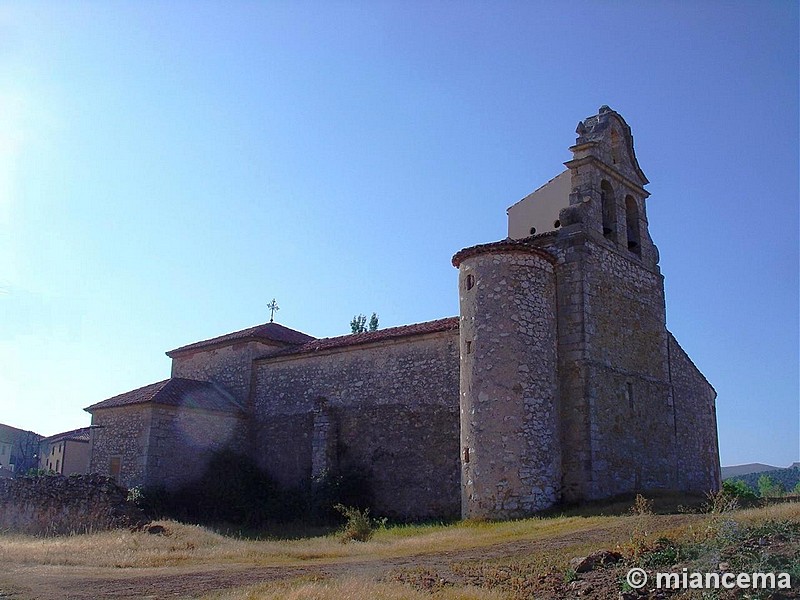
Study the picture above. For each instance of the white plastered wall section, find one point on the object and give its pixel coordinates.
(539, 210)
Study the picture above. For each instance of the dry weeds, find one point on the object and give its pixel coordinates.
(351, 588)
(463, 560)
(191, 544)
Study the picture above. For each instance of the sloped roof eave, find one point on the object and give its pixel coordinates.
(201, 395)
(360, 339)
(76, 435)
(269, 333)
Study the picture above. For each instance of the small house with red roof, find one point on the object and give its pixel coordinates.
(65, 453)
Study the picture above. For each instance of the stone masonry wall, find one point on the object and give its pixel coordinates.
(183, 440)
(56, 505)
(229, 366)
(388, 409)
(161, 445)
(575, 424)
(633, 416)
(511, 453)
(632, 434)
(696, 424)
(121, 432)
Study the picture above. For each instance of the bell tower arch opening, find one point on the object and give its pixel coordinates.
(609, 207)
(632, 224)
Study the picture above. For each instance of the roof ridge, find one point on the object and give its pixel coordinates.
(365, 337)
(283, 335)
(158, 386)
(386, 329)
(164, 384)
(176, 391)
(71, 432)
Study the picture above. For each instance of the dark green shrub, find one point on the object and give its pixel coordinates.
(666, 552)
(154, 501)
(32, 472)
(768, 487)
(737, 488)
(358, 528)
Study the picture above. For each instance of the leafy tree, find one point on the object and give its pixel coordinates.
(738, 489)
(789, 477)
(24, 454)
(359, 323)
(797, 489)
(768, 487)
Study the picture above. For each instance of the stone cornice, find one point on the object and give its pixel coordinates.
(507, 245)
(614, 173)
(293, 356)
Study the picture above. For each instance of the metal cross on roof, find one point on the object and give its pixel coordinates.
(272, 306)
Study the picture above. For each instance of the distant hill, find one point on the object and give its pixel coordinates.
(789, 477)
(737, 470)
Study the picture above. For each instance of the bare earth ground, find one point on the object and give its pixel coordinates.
(48, 582)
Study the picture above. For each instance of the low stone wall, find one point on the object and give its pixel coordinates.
(55, 505)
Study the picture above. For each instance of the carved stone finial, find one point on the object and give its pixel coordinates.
(581, 128)
(604, 109)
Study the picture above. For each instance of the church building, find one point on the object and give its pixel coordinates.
(557, 382)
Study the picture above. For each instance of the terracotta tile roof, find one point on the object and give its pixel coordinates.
(268, 332)
(523, 245)
(355, 339)
(176, 391)
(77, 435)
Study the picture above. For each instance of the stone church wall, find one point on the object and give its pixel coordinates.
(182, 441)
(229, 366)
(696, 424)
(571, 386)
(628, 432)
(161, 445)
(574, 423)
(388, 409)
(121, 432)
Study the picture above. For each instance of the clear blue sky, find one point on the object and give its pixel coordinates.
(167, 168)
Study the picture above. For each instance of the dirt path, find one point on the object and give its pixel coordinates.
(85, 583)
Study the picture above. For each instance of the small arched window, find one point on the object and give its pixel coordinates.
(632, 221)
(609, 209)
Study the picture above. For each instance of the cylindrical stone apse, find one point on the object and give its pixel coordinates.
(510, 447)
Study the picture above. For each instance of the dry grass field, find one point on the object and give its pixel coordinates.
(481, 560)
